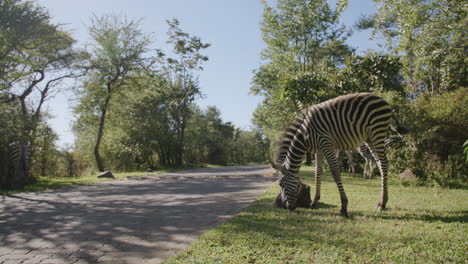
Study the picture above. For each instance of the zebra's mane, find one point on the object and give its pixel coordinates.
(283, 146)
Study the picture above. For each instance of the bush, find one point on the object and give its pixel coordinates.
(434, 147)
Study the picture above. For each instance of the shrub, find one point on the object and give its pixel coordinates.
(434, 147)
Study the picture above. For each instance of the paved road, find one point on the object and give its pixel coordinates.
(141, 220)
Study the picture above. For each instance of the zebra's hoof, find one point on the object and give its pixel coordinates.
(344, 213)
(314, 205)
(380, 207)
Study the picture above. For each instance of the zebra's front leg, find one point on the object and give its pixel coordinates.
(382, 163)
(318, 174)
(335, 170)
(378, 151)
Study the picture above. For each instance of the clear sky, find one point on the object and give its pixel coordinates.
(231, 26)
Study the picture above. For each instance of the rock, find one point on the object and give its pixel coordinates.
(106, 174)
(303, 199)
(407, 174)
(149, 169)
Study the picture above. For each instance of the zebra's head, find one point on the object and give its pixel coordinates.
(289, 184)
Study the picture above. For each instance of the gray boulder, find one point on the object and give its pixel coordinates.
(106, 174)
(408, 174)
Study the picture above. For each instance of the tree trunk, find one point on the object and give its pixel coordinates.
(43, 167)
(102, 121)
(180, 145)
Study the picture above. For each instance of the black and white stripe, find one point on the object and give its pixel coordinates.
(19, 158)
(369, 163)
(342, 123)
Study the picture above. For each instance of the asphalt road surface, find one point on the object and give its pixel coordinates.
(139, 220)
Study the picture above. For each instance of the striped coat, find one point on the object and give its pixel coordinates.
(342, 123)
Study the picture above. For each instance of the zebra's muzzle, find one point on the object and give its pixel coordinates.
(290, 206)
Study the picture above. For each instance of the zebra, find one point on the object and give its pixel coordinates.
(343, 123)
(364, 151)
(350, 158)
(369, 162)
(19, 157)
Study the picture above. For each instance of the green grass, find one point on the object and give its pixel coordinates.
(47, 183)
(421, 225)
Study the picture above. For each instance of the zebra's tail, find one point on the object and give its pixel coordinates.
(401, 130)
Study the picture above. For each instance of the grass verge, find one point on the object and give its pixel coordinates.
(421, 225)
(47, 183)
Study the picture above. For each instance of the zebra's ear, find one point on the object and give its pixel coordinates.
(274, 165)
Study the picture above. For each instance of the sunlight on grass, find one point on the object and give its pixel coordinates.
(47, 183)
(422, 225)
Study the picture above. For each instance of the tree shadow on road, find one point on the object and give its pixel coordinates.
(124, 220)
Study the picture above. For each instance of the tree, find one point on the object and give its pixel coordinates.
(373, 72)
(148, 125)
(117, 52)
(154, 106)
(211, 137)
(438, 131)
(431, 37)
(183, 83)
(35, 56)
(304, 39)
(305, 45)
(23, 26)
(249, 147)
(45, 150)
(219, 137)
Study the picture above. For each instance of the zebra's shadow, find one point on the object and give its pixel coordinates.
(321, 205)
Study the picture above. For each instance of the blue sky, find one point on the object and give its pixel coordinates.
(231, 26)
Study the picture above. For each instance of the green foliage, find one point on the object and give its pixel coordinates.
(182, 84)
(305, 45)
(50, 161)
(298, 87)
(156, 123)
(44, 150)
(118, 46)
(213, 137)
(249, 147)
(307, 63)
(23, 27)
(431, 36)
(117, 51)
(304, 42)
(35, 56)
(438, 129)
(422, 225)
(372, 73)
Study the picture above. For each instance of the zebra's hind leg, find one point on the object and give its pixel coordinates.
(371, 168)
(335, 170)
(367, 169)
(318, 174)
(378, 151)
